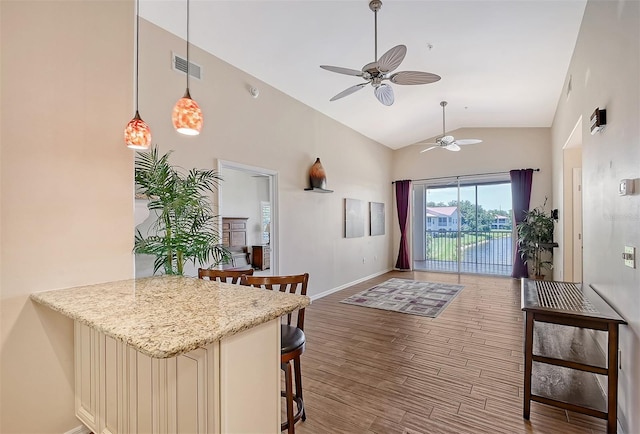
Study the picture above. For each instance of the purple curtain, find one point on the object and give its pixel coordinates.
(521, 181)
(402, 204)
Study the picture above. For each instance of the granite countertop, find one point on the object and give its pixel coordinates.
(165, 316)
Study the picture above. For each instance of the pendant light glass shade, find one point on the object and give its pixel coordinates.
(137, 134)
(187, 116)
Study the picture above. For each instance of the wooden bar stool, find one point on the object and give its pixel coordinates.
(228, 276)
(292, 341)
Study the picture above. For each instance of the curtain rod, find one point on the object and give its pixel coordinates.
(463, 176)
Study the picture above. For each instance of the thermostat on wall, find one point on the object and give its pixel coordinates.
(626, 187)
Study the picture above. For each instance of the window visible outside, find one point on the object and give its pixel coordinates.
(265, 211)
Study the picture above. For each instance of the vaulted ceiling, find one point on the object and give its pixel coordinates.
(503, 63)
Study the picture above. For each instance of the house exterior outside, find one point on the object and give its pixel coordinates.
(442, 218)
(501, 222)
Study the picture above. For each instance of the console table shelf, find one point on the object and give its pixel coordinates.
(562, 358)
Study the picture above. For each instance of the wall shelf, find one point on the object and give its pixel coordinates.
(318, 190)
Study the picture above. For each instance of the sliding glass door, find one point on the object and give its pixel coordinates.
(463, 226)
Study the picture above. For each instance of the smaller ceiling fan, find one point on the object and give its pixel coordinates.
(448, 142)
(382, 68)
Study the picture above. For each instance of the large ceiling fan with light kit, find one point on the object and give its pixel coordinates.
(381, 69)
(448, 142)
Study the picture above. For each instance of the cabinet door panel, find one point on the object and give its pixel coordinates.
(110, 385)
(142, 388)
(188, 397)
(86, 374)
(250, 379)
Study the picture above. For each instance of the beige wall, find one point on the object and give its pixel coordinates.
(604, 72)
(66, 188)
(278, 133)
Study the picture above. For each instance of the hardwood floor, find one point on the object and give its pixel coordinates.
(373, 371)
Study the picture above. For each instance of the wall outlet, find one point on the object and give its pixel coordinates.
(629, 256)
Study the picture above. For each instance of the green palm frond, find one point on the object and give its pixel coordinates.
(186, 228)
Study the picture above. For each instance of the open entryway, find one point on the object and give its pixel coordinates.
(568, 266)
(463, 226)
(247, 205)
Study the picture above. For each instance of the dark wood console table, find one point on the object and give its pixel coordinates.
(561, 356)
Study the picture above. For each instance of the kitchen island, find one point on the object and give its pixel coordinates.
(175, 354)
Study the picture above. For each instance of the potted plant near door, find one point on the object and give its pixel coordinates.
(535, 241)
(186, 228)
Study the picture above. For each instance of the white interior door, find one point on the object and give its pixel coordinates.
(577, 224)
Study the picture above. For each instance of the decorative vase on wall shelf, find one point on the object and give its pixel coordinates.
(318, 178)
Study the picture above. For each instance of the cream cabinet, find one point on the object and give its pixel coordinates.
(207, 390)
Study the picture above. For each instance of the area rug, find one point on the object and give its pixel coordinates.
(407, 296)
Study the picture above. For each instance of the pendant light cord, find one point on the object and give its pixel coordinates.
(187, 45)
(137, 48)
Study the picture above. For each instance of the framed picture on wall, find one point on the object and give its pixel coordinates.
(376, 218)
(353, 218)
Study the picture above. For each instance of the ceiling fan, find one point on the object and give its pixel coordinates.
(448, 142)
(381, 69)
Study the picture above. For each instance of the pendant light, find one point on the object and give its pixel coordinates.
(187, 116)
(137, 134)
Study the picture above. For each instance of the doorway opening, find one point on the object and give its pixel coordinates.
(463, 226)
(568, 264)
(250, 193)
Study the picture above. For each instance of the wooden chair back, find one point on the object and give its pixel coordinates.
(227, 276)
(294, 284)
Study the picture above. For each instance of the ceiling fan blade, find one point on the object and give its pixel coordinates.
(414, 77)
(384, 93)
(463, 142)
(452, 147)
(392, 59)
(348, 91)
(428, 149)
(341, 70)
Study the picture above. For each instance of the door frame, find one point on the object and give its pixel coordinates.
(272, 177)
(571, 159)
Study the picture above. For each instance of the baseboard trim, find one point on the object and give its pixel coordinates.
(79, 430)
(346, 285)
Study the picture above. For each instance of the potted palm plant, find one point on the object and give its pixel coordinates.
(535, 240)
(186, 228)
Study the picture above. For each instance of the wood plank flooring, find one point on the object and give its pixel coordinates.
(373, 371)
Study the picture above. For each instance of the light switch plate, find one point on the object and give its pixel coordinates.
(629, 256)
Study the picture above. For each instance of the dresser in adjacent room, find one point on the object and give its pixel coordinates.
(234, 237)
(261, 257)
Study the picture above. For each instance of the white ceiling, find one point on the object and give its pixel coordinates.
(502, 63)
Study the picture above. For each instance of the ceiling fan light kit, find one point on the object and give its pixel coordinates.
(449, 142)
(381, 69)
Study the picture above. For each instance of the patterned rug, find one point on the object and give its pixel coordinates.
(407, 296)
